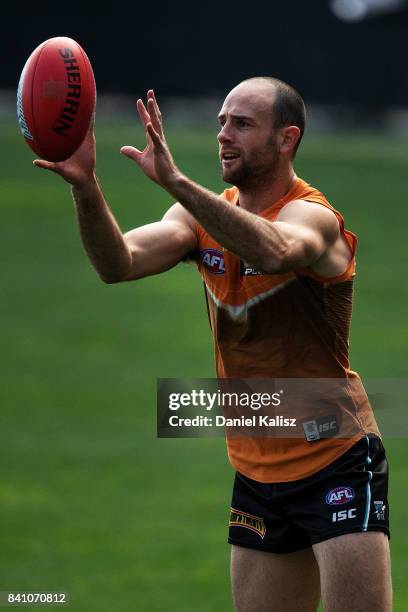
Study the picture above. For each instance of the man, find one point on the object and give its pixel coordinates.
(309, 517)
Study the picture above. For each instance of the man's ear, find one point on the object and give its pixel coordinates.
(289, 138)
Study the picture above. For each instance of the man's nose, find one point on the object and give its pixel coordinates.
(224, 135)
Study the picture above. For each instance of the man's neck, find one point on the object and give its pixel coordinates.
(257, 200)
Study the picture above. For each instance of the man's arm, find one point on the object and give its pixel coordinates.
(159, 246)
(299, 238)
(116, 257)
(143, 251)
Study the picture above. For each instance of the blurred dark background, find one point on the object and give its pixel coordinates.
(187, 49)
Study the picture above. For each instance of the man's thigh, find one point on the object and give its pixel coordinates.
(270, 582)
(355, 572)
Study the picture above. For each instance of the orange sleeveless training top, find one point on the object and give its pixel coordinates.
(290, 325)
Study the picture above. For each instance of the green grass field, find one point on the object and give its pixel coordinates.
(91, 502)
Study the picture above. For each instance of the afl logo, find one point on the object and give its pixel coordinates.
(213, 260)
(339, 495)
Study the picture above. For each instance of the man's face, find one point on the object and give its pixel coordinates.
(248, 148)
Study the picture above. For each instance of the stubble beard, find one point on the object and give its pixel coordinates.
(254, 174)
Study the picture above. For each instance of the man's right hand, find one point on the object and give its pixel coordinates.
(79, 169)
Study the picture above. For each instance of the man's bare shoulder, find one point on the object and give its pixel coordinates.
(313, 215)
(321, 221)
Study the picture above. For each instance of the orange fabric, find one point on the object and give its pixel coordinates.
(291, 325)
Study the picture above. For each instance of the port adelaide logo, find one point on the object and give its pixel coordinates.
(213, 261)
(379, 510)
(339, 495)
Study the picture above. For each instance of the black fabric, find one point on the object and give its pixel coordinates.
(348, 496)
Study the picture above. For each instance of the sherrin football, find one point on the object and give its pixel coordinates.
(56, 98)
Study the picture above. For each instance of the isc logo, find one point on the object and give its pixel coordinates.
(323, 427)
(343, 515)
(339, 495)
(213, 260)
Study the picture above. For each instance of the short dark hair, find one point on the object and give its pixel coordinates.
(288, 108)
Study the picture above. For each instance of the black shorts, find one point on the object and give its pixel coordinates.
(348, 496)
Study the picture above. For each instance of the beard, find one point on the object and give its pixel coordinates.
(257, 171)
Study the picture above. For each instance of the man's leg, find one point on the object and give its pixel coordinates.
(355, 572)
(270, 582)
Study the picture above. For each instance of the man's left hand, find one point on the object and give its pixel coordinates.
(155, 160)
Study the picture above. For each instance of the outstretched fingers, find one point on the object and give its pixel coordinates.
(154, 112)
(152, 95)
(143, 114)
(156, 136)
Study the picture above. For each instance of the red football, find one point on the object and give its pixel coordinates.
(56, 98)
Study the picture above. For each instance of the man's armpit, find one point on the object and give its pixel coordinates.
(191, 257)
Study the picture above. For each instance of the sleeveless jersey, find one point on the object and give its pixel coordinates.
(289, 325)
